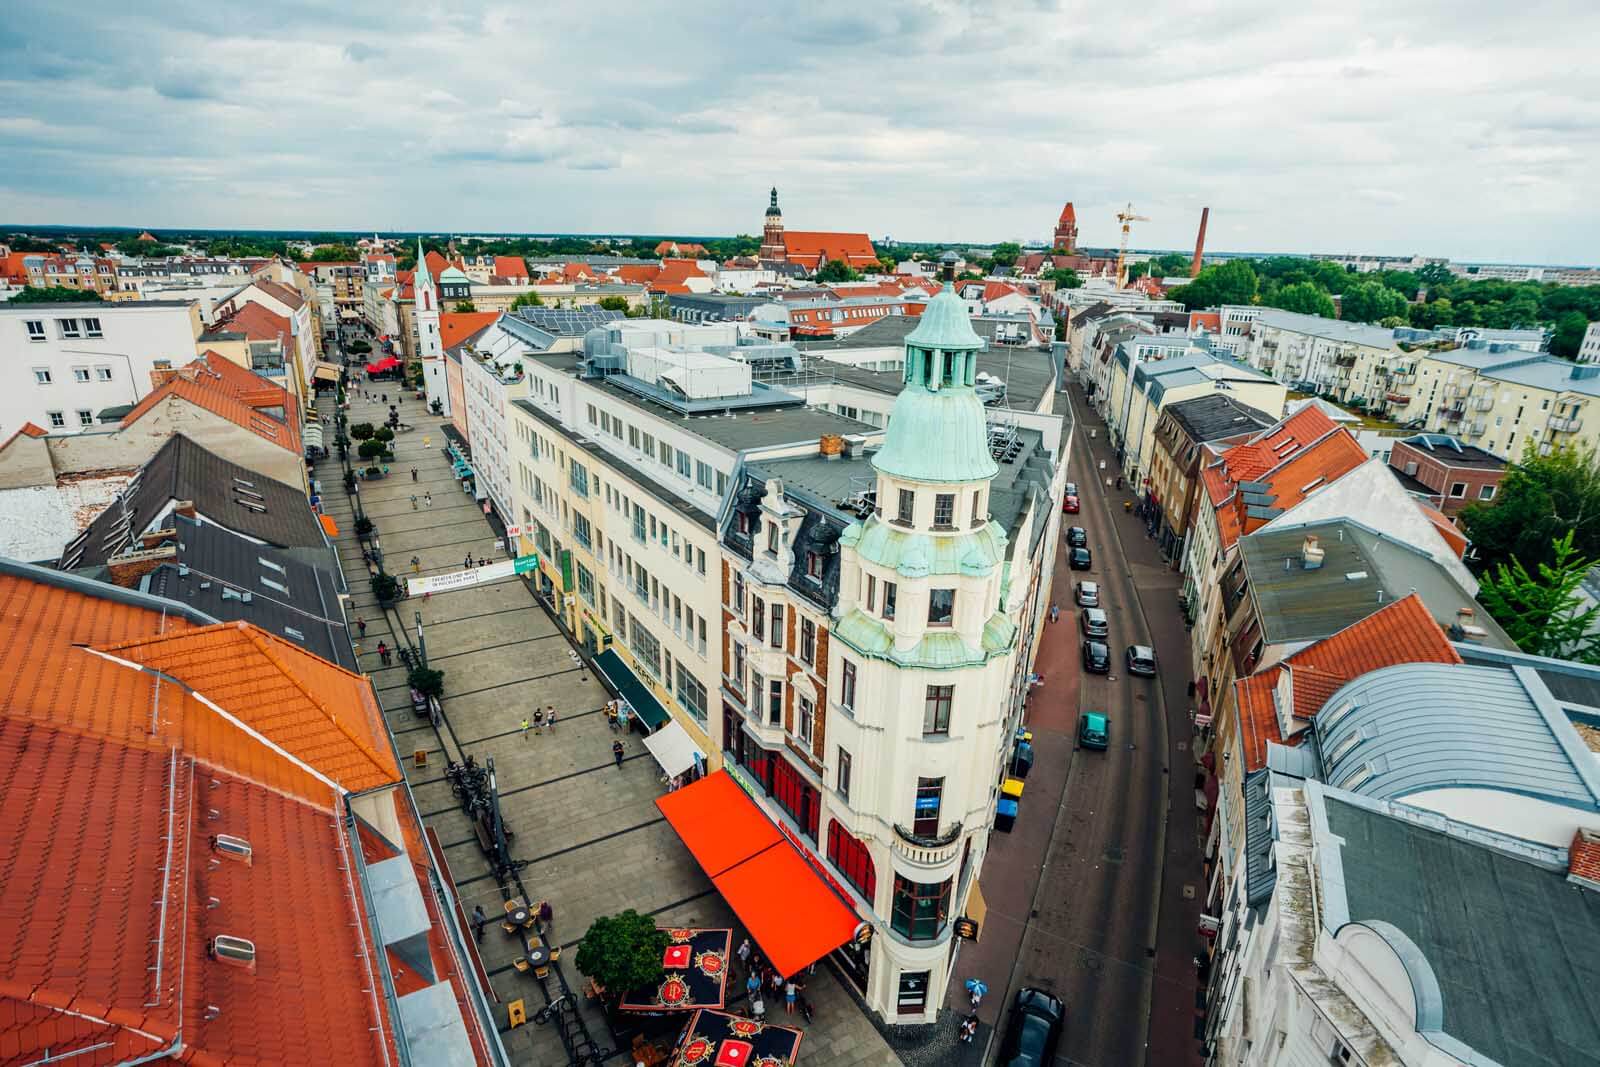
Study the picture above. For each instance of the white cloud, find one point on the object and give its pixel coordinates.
(1432, 127)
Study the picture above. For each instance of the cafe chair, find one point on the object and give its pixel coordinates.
(521, 964)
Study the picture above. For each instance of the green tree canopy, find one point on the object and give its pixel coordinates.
(1545, 615)
(1307, 298)
(614, 303)
(462, 306)
(837, 270)
(1006, 253)
(1568, 335)
(1233, 282)
(527, 300)
(1540, 500)
(334, 253)
(623, 952)
(1064, 277)
(1369, 302)
(55, 294)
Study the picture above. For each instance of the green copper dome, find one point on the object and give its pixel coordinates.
(938, 428)
(944, 324)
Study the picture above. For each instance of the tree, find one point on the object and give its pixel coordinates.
(1440, 312)
(1545, 616)
(623, 952)
(1064, 277)
(1568, 335)
(334, 253)
(1233, 282)
(1006, 253)
(1369, 302)
(61, 294)
(362, 430)
(887, 263)
(426, 681)
(1435, 274)
(385, 588)
(1540, 499)
(614, 303)
(837, 270)
(464, 306)
(526, 300)
(1307, 298)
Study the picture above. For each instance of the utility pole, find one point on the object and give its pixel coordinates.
(422, 644)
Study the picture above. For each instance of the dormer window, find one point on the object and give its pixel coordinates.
(772, 539)
(814, 566)
(743, 523)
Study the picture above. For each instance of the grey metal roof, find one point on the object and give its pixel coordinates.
(1511, 947)
(1453, 452)
(765, 428)
(431, 1025)
(1424, 726)
(1362, 570)
(892, 330)
(1358, 333)
(290, 597)
(1260, 831)
(223, 492)
(1211, 418)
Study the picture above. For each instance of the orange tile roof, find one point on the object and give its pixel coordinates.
(638, 273)
(27, 429)
(679, 248)
(572, 272)
(510, 267)
(319, 713)
(457, 326)
(115, 782)
(1446, 529)
(226, 389)
(257, 322)
(1294, 458)
(810, 247)
(1211, 320)
(1401, 632)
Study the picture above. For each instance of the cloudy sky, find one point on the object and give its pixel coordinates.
(1469, 128)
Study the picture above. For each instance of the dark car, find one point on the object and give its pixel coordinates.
(1142, 660)
(1097, 657)
(1034, 1030)
(1079, 559)
(1088, 594)
(1077, 536)
(1093, 622)
(1094, 730)
(1069, 504)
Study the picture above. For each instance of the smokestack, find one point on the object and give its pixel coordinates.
(1200, 242)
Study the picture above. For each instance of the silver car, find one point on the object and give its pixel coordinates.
(1088, 594)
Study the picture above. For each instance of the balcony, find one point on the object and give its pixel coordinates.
(1476, 429)
(1453, 414)
(1483, 403)
(1344, 361)
(1403, 378)
(921, 851)
(1398, 398)
(1565, 425)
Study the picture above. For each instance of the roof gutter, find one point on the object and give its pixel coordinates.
(103, 590)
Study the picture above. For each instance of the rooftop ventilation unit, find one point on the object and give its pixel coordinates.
(232, 847)
(235, 951)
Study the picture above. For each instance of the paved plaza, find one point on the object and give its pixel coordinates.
(588, 831)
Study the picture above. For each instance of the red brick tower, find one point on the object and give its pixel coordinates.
(1066, 231)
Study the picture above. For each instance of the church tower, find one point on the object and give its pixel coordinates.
(1066, 241)
(772, 246)
(430, 343)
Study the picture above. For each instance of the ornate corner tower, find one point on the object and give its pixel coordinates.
(772, 246)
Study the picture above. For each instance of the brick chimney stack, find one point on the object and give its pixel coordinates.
(126, 569)
(1200, 242)
(1583, 859)
(184, 508)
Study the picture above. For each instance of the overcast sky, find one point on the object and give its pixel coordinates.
(1469, 128)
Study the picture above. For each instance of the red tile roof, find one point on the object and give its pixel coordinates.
(680, 248)
(812, 248)
(1444, 527)
(226, 389)
(1295, 458)
(510, 267)
(258, 323)
(457, 326)
(1211, 320)
(115, 782)
(1401, 632)
(572, 272)
(638, 273)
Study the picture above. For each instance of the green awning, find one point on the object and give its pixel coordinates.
(635, 692)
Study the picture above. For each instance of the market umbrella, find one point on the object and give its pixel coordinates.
(696, 965)
(718, 1039)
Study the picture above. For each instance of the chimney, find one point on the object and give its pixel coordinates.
(1583, 859)
(161, 376)
(1200, 242)
(1466, 629)
(154, 538)
(126, 569)
(184, 508)
(1311, 553)
(830, 445)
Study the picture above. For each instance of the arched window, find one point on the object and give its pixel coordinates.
(852, 859)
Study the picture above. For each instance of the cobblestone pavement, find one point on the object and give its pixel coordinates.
(588, 831)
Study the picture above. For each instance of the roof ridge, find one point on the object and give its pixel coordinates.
(255, 634)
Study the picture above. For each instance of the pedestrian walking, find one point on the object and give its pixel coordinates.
(752, 985)
(416, 565)
(547, 916)
(479, 921)
(468, 561)
(758, 1008)
(524, 729)
(538, 720)
(744, 953)
(777, 983)
(790, 990)
(1055, 612)
(427, 499)
(383, 398)
(413, 502)
(616, 753)
(361, 625)
(413, 474)
(383, 653)
(551, 720)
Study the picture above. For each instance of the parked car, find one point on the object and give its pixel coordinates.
(1097, 657)
(1094, 730)
(1071, 489)
(1079, 559)
(1088, 594)
(1142, 660)
(1069, 504)
(1034, 1030)
(1093, 622)
(1077, 536)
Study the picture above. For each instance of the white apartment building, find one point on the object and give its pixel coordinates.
(1589, 348)
(490, 383)
(61, 365)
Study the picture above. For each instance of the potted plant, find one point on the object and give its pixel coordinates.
(361, 431)
(373, 472)
(385, 587)
(374, 450)
(623, 952)
(363, 526)
(437, 407)
(384, 434)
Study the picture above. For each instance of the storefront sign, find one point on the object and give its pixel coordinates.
(966, 928)
(472, 576)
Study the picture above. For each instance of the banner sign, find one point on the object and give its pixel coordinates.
(466, 579)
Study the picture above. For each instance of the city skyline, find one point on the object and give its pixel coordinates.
(1377, 130)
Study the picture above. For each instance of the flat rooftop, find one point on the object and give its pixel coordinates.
(745, 430)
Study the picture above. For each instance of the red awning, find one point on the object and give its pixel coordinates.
(387, 363)
(331, 527)
(793, 914)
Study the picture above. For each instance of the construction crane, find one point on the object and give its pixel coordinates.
(1126, 216)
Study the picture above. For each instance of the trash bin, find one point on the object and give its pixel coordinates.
(1005, 815)
(1022, 760)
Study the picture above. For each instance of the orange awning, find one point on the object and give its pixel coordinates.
(793, 914)
(329, 525)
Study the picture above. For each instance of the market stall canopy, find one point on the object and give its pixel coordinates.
(695, 973)
(626, 683)
(673, 749)
(720, 1039)
(793, 914)
(386, 363)
(323, 371)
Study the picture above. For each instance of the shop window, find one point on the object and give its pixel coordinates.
(920, 909)
(852, 859)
